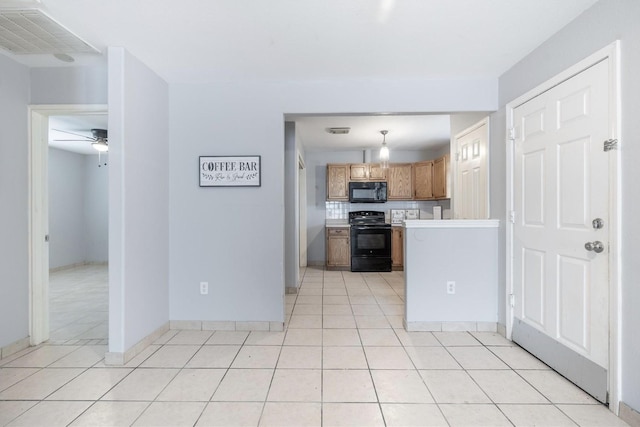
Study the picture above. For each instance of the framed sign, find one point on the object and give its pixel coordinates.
(229, 171)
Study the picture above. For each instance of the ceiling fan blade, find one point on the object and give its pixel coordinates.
(73, 133)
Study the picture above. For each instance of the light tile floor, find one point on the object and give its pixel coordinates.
(344, 360)
(78, 304)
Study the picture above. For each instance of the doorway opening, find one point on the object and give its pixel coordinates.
(68, 225)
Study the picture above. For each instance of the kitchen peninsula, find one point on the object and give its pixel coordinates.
(451, 275)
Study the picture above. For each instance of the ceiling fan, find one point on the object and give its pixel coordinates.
(99, 140)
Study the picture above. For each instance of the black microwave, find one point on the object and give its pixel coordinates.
(368, 192)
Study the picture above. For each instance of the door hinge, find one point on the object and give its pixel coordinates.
(610, 144)
(46, 238)
(512, 217)
(511, 134)
(512, 300)
(457, 156)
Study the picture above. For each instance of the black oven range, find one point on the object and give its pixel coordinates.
(370, 241)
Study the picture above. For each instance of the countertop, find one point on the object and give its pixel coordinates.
(337, 223)
(452, 223)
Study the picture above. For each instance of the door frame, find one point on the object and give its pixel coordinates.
(612, 54)
(38, 210)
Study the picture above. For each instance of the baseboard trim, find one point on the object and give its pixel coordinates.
(450, 326)
(290, 290)
(502, 330)
(316, 263)
(118, 359)
(77, 264)
(629, 415)
(14, 347)
(226, 325)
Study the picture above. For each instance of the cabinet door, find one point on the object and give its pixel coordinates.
(337, 182)
(400, 185)
(377, 173)
(359, 172)
(338, 247)
(397, 248)
(423, 180)
(440, 177)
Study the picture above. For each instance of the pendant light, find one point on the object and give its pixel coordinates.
(384, 151)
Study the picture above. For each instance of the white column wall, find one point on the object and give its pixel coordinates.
(14, 269)
(138, 200)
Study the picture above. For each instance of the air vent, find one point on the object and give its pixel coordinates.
(339, 131)
(31, 31)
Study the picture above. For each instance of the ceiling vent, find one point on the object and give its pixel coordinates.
(339, 131)
(31, 31)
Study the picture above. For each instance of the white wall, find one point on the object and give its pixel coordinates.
(69, 85)
(96, 208)
(467, 256)
(138, 201)
(78, 209)
(67, 243)
(291, 211)
(14, 290)
(596, 28)
(234, 237)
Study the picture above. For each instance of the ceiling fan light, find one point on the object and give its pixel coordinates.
(100, 146)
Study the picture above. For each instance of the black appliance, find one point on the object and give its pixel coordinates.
(370, 241)
(368, 192)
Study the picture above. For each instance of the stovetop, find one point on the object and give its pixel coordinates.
(367, 218)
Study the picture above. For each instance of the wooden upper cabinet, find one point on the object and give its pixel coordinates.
(367, 172)
(337, 182)
(377, 173)
(440, 181)
(423, 180)
(400, 181)
(358, 172)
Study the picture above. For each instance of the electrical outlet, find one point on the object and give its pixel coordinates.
(204, 288)
(451, 287)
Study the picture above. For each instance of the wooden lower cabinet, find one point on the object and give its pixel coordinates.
(338, 248)
(397, 248)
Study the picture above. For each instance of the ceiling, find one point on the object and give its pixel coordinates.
(406, 132)
(195, 41)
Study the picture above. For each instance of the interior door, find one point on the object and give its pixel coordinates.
(561, 228)
(472, 184)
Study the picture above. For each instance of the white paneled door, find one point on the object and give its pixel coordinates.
(561, 228)
(472, 184)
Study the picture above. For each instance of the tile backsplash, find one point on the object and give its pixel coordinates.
(340, 210)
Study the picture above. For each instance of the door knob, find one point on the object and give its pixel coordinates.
(595, 246)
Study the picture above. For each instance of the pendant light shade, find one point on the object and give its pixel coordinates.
(384, 151)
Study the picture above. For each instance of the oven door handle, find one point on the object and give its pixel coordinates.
(369, 227)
